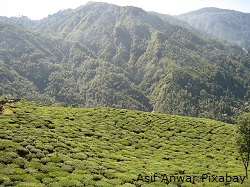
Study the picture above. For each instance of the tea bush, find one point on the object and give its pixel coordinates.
(62, 146)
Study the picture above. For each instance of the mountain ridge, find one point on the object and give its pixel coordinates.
(212, 10)
(229, 25)
(126, 57)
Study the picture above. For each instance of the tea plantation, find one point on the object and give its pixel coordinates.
(63, 146)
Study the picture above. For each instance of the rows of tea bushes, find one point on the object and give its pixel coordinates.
(73, 147)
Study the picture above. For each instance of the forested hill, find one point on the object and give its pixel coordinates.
(228, 25)
(105, 55)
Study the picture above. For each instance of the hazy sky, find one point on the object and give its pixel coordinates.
(38, 9)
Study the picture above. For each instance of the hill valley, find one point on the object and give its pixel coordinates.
(124, 57)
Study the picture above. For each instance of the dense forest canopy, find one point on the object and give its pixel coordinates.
(229, 25)
(124, 57)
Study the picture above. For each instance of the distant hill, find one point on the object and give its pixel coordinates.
(59, 146)
(229, 25)
(124, 57)
(174, 20)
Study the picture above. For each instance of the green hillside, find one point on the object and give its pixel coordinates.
(27, 59)
(229, 25)
(102, 55)
(42, 145)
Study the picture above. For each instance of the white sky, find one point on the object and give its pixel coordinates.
(38, 9)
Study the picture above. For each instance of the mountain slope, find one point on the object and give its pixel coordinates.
(57, 146)
(229, 25)
(126, 57)
(136, 41)
(27, 60)
(12, 82)
(56, 71)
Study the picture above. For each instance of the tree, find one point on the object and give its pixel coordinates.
(1, 108)
(243, 139)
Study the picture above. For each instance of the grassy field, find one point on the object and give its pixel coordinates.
(63, 146)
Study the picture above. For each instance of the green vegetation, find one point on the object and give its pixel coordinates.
(228, 25)
(63, 146)
(102, 55)
(243, 140)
